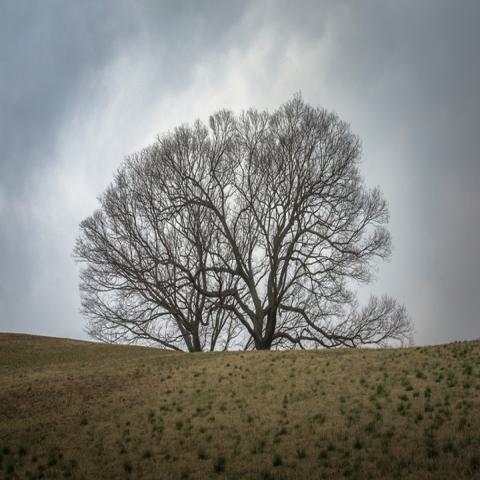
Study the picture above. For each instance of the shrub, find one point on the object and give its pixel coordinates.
(475, 463)
(277, 460)
(201, 454)
(358, 443)
(219, 464)
(301, 453)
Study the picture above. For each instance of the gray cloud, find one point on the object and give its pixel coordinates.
(84, 84)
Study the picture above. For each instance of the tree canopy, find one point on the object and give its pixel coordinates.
(251, 232)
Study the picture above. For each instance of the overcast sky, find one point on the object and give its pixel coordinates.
(82, 84)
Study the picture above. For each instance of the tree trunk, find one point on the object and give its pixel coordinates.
(263, 344)
(195, 344)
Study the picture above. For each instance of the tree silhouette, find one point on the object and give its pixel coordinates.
(252, 231)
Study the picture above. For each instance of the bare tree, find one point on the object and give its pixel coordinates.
(262, 221)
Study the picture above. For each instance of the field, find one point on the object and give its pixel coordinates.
(83, 410)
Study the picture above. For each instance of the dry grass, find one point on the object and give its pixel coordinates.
(81, 410)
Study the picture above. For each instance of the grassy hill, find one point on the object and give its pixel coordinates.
(82, 410)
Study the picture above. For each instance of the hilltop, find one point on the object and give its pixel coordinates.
(84, 410)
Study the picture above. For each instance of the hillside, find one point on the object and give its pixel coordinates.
(83, 410)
